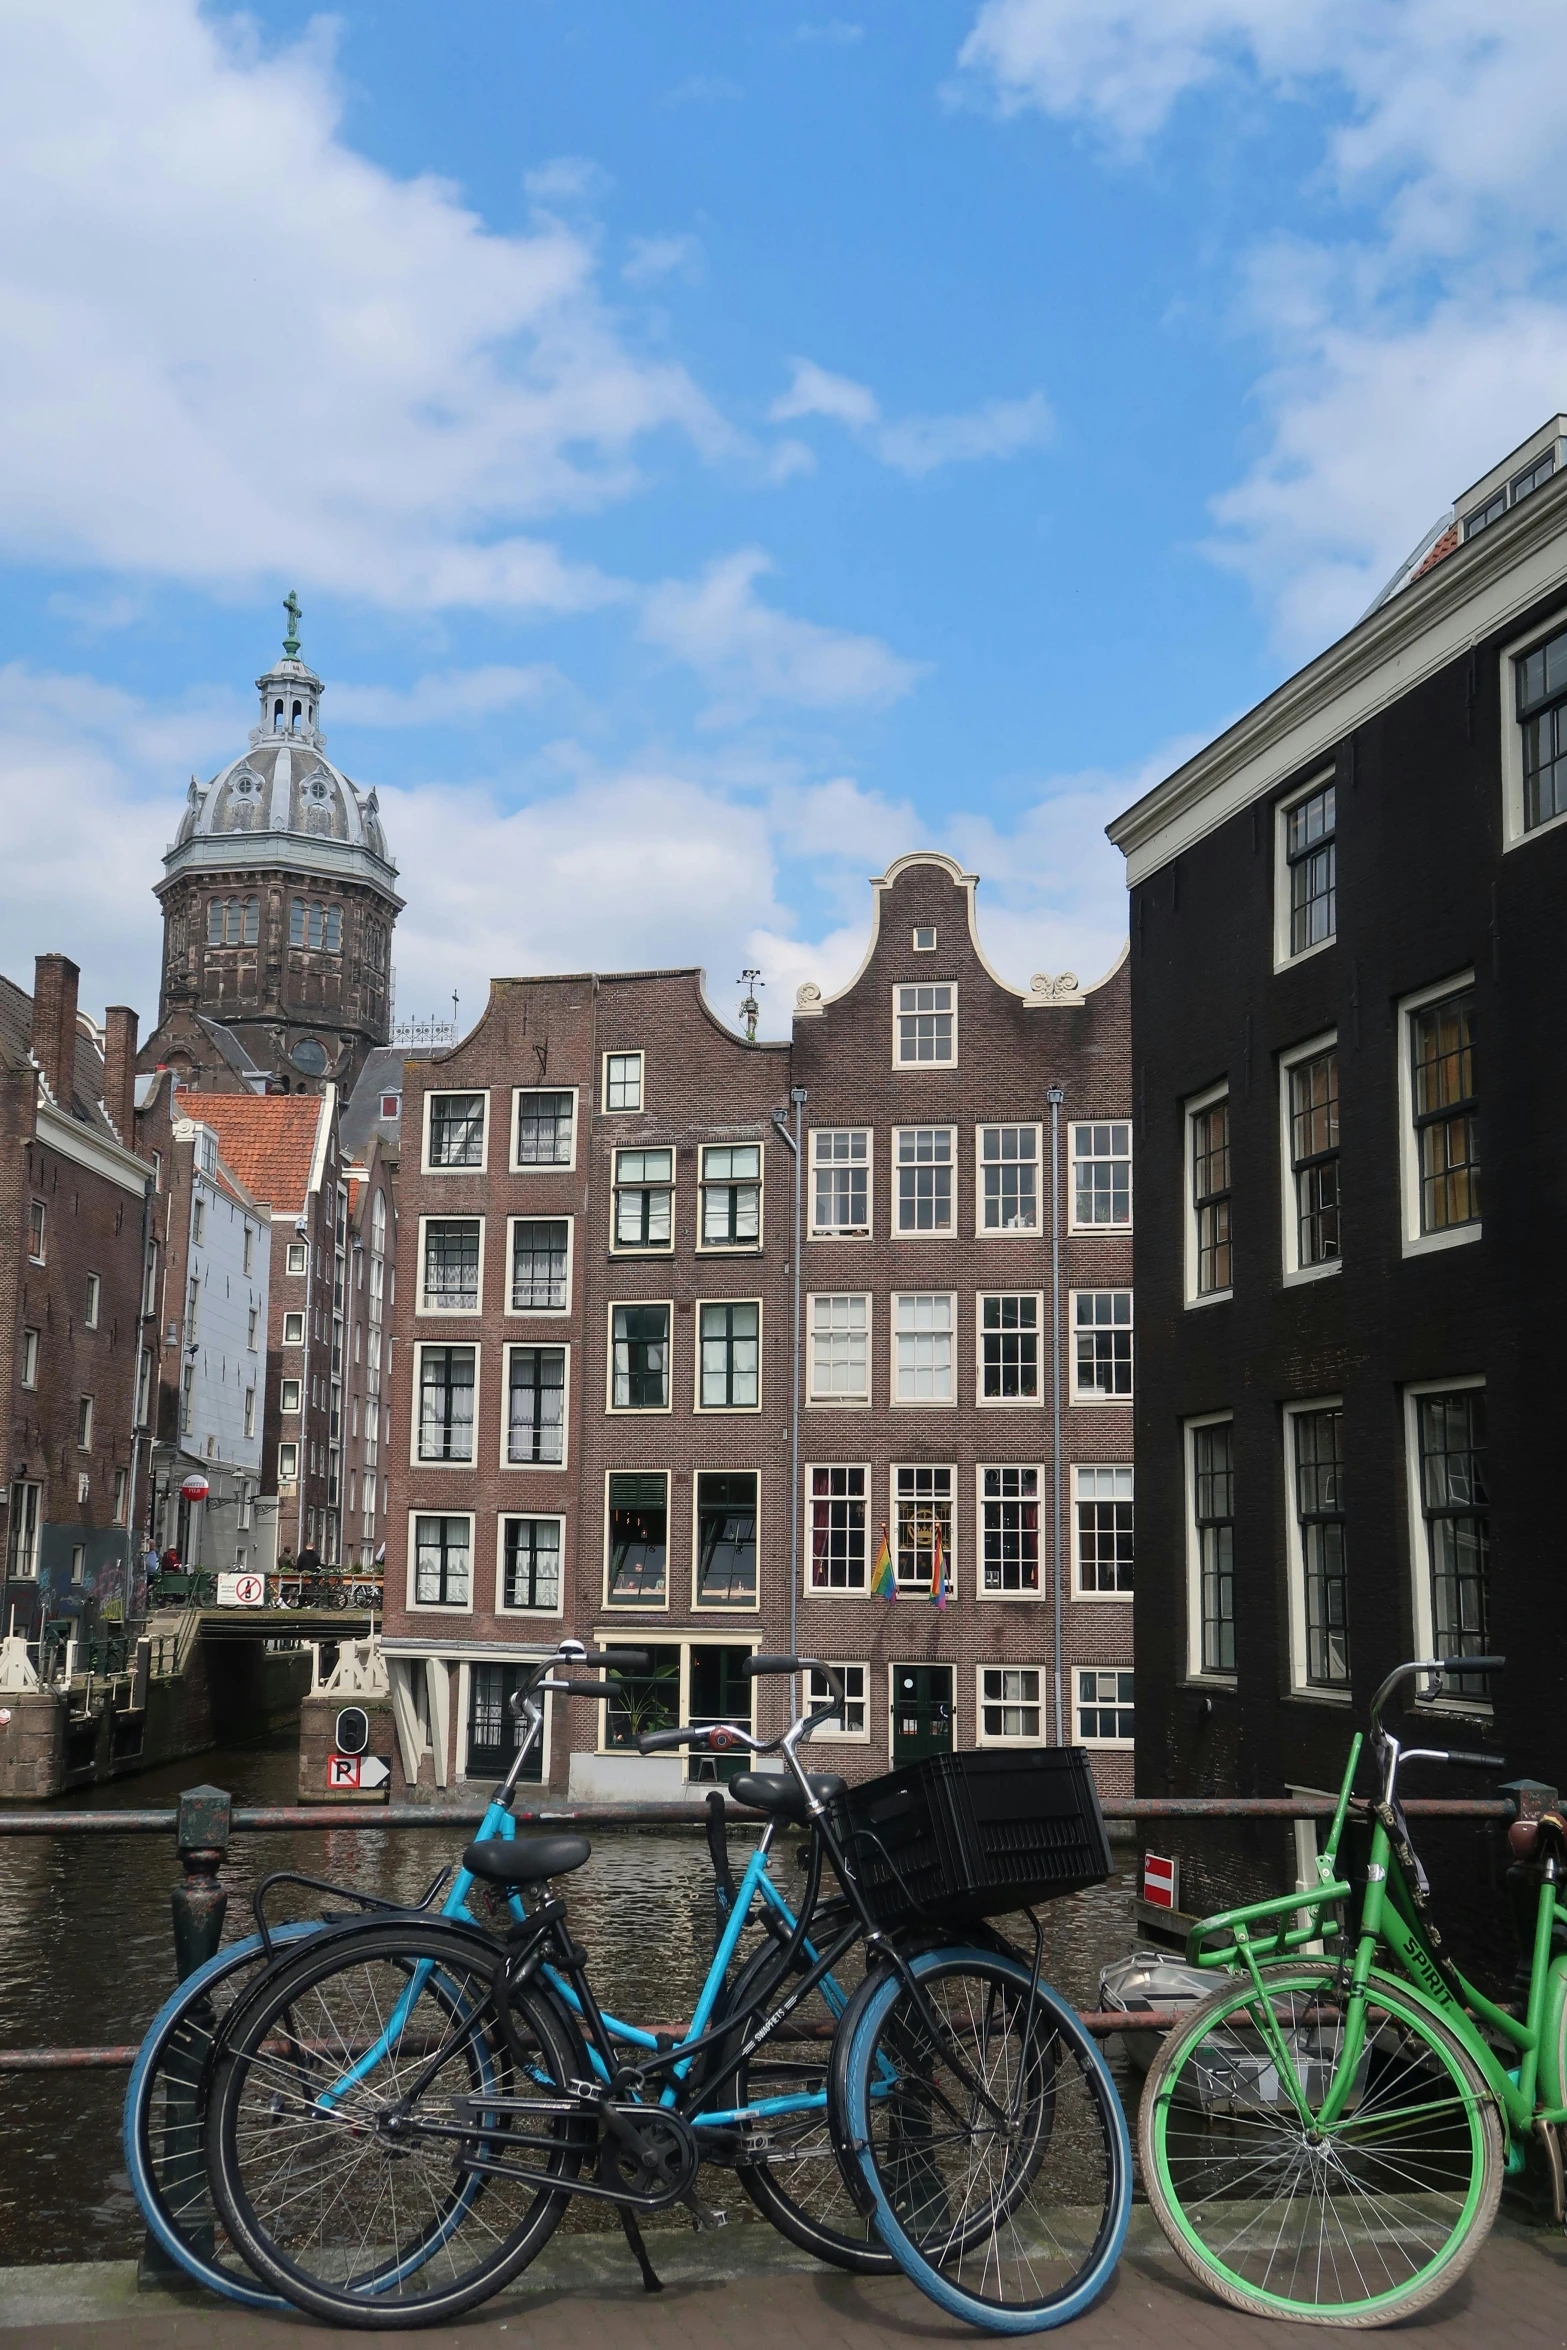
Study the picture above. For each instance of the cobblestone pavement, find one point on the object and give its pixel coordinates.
(1514, 2295)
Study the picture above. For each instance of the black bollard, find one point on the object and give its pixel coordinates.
(199, 1903)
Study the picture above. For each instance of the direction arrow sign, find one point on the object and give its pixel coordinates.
(373, 1772)
(356, 1770)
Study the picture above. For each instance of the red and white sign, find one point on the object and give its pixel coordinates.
(242, 1590)
(356, 1770)
(195, 1487)
(1161, 1882)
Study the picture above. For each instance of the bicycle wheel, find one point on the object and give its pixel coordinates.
(990, 2135)
(165, 2118)
(796, 2181)
(353, 2151)
(1352, 2225)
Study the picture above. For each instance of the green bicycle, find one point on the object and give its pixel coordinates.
(1325, 2137)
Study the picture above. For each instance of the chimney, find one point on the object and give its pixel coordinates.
(119, 1071)
(55, 981)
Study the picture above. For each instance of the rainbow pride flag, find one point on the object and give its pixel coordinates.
(884, 1583)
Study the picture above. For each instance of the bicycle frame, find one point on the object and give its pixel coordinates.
(1390, 1923)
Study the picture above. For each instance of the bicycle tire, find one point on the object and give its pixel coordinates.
(320, 2078)
(163, 2151)
(1015, 2251)
(1365, 2206)
(802, 2189)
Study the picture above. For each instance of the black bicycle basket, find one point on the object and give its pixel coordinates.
(962, 1836)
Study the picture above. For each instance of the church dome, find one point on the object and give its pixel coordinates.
(285, 783)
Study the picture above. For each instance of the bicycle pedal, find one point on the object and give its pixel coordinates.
(703, 2218)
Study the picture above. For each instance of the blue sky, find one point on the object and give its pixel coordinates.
(721, 446)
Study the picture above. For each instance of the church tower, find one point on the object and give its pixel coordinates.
(278, 901)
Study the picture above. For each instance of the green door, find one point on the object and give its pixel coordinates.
(921, 1711)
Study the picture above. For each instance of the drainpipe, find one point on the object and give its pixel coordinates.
(132, 1545)
(792, 1144)
(1055, 1097)
(304, 1381)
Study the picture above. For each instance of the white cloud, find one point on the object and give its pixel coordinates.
(231, 346)
(749, 652)
(915, 444)
(1404, 358)
(567, 179)
(649, 259)
(455, 697)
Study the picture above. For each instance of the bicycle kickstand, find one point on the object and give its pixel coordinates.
(651, 2281)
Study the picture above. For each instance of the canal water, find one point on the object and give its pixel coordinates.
(86, 1955)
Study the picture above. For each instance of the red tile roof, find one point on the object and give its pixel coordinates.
(1444, 547)
(269, 1139)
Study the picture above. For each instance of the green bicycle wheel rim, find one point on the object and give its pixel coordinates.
(1429, 2027)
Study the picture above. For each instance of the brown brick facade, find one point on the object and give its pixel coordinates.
(706, 1466)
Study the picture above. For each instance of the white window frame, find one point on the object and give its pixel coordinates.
(837, 1231)
(1295, 1556)
(529, 1167)
(535, 1468)
(290, 1410)
(1514, 836)
(422, 1307)
(636, 1607)
(711, 1611)
(1010, 1403)
(809, 1589)
(608, 1634)
(94, 1300)
(730, 1248)
(950, 1469)
(1009, 1665)
(924, 938)
(991, 1232)
(1099, 1745)
(900, 1231)
(1283, 960)
(1041, 1588)
(524, 1615)
(834, 1733)
(1294, 1270)
(481, 1165)
(525, 1654)
(641, 1248)
(1093, 1401)
(288, 1462)
(296, 1249)
(416, 1458)
(1424, 1616)
(1098, 1231)
(1195, 1669)
(630, 1411)
(898, 1061)
(1080, 1589)
(1416, 1243)
(537, 1313)
(725, 1411)
(1191, 1109)
(293, 1329)
(439, 1607)
(637, 1054)
(30, 1345)
(921, 1403)
(86, 1414)
(847, 1403)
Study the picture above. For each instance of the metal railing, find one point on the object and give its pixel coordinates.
(205, 1821)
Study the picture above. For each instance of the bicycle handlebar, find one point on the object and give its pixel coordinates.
(1443, 1754)
(716, 1737)
(1429, 1664)
(757, 1668)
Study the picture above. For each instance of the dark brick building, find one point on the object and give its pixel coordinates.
(73, 1227)
(1348, 1061)
(595, 1419)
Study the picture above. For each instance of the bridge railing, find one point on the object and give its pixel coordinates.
(206, 1821)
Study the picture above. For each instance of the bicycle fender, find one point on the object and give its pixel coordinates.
(1552, 2090)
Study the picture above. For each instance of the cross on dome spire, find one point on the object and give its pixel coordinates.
(293, 608)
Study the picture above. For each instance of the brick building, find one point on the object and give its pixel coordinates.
(279, 901)
(596, 1425)
(73, 1228)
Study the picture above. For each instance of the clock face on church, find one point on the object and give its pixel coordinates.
(309, 1056)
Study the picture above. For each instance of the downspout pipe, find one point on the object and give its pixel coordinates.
(1055, 1096)
(792, 1143)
